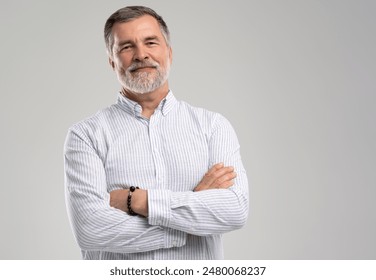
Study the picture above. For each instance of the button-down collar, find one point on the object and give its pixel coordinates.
(135, 109)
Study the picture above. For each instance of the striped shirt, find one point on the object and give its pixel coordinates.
(168, 155)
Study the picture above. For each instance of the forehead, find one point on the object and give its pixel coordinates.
(136, 29)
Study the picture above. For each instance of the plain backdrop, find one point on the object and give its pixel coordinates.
(295, 78)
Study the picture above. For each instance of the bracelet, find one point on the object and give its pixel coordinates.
(129, 200)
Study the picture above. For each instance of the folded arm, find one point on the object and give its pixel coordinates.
(219, 203)
(97, 225)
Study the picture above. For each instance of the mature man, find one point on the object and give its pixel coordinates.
(151, 177)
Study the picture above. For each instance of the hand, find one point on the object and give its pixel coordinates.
(118, 200)
(217, 177)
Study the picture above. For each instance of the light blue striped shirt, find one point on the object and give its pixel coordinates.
(168, 155)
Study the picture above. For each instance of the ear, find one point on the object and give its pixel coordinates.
(112, 64)
(170, 54)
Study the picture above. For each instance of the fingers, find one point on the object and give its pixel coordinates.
(225, 177)
(220, 175)
(214, 168)
(217, 177)
(223, 174)
(226, 184)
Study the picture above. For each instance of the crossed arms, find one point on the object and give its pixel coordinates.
(218, 204)
(218, 177)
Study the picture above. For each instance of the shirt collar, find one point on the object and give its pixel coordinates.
(134, 109)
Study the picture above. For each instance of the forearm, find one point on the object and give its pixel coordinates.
(206, 212)
(97, 225)
(107, 229)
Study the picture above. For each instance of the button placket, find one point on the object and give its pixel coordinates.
(155, 139)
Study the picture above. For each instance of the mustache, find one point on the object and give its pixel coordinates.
(137, 65)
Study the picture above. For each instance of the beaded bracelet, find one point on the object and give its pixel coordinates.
(129, 200)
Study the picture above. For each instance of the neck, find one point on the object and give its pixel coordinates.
(148, 101)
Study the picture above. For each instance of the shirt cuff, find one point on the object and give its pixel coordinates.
(159, 208)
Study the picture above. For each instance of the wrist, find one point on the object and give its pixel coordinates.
(140, 202)
(129, 200)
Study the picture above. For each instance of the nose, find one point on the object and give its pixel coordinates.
(140, 53)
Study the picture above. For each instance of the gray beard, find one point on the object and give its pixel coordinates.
(144, 82)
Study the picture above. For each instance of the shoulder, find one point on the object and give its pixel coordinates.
(210, 119)
(201, 114)
(96, 122)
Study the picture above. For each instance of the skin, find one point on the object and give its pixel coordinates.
(135, 41)
(139, 40)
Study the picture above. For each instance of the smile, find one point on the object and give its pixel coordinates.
(143, 68)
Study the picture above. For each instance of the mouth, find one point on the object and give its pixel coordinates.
(143, 68)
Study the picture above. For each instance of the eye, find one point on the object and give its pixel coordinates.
(125, 47)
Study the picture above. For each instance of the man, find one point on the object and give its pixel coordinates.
(151, 177)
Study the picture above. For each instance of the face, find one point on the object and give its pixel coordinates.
(141, 57)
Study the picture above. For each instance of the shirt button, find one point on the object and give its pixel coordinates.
(174, 243)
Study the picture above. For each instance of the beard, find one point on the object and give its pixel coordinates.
(142, 82)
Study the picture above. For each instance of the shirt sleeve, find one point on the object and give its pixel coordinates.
(96, 225)
(208, 212)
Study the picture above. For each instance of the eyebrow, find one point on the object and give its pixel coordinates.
(122, 43)
(149, 38)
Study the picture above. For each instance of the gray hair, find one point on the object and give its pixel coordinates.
(130, 13)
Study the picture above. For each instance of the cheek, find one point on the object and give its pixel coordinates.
(122, 63)
(165, 59)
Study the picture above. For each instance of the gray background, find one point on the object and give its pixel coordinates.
(295, 78)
